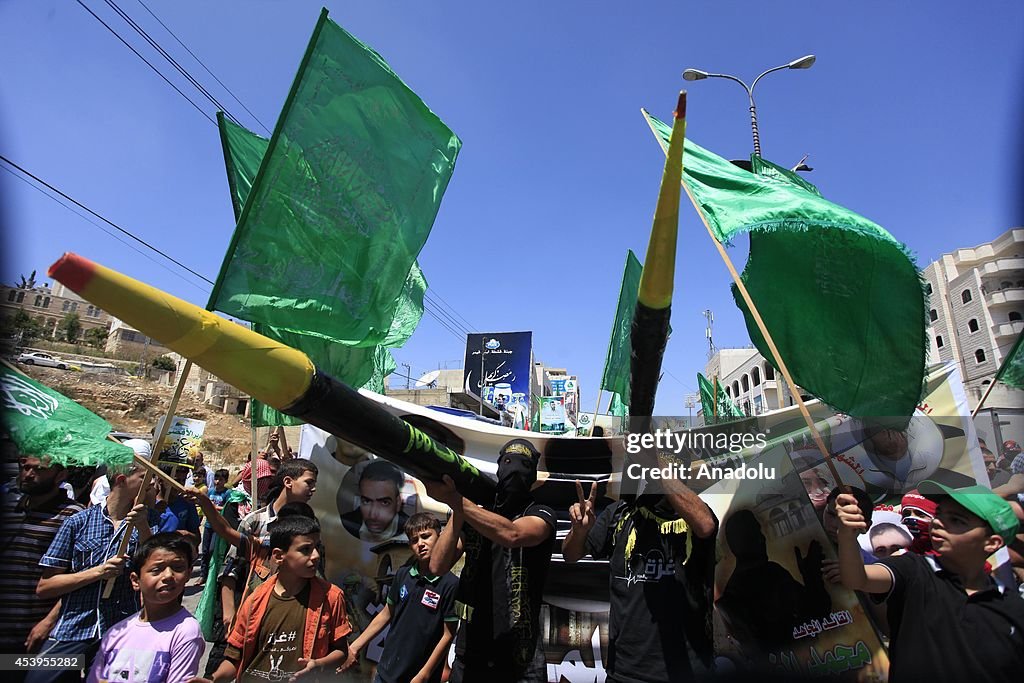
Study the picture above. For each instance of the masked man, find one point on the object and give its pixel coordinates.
(508, 550)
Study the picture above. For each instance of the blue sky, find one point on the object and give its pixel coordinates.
(911, 116)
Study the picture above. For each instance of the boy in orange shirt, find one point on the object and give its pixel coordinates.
(295, 623)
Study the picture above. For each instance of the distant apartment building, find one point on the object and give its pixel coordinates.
(124, 341)
(749, 380)
(49, 306)
(976, 312)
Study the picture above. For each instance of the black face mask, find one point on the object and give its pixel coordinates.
(516, 474)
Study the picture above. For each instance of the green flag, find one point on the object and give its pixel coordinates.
(343, 201)
(361, 361)
(365, 367)
(1012, 371)
(616, 407)
(717, 407)
(616, 363)
(42, 422)
(840, 296)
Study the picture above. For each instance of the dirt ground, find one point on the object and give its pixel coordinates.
(134, 405)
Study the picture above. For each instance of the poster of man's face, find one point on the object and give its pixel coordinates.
(376, 488)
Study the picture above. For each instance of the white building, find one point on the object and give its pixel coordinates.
(976, 312)
(749, 380)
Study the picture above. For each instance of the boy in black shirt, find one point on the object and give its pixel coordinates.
(950, 621)
(421, 611)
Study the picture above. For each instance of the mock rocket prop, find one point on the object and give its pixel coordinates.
(271, 372)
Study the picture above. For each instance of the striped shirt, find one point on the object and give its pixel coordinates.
(24, 537)
(87, 539)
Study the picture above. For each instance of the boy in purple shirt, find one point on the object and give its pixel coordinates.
(163, 642)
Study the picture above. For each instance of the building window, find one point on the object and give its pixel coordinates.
(1014, 315)
(65, 306)
(938, 341)
(11, 295)
(755, 376)
(728, 392)
(769, 372)
(39, 301)
(972, 325)
(46, 302)
(21, 297)
(1020, 283)
(933, 315)
(745, 382)
(928, 288)
(1005, 284)
(735, 389)
(965, 296)
(979, 355)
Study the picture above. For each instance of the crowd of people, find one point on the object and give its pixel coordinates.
(925, 574)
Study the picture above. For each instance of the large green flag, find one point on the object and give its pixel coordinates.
(841, 297)
(42, 423)
(1012, 371)
(717, 407)
(343, 201)
(360, 366)
(616, 363)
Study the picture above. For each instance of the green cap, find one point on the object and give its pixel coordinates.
(981, 501)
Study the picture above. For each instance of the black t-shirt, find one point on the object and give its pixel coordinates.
(500, 592)
(939, 633)
(658, 603)
(420, 604)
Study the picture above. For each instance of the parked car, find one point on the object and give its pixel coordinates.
(44, 359)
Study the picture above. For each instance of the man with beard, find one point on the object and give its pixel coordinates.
(661, 552)
(508, 550)
(31, 517)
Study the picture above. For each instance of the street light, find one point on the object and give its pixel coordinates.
(804, 62)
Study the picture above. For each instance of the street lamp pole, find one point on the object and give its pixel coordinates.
(804, 62)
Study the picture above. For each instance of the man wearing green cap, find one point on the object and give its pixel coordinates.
(949, 619)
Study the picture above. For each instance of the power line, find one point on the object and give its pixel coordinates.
(104, 219)
(139, 55)
(173, 62)
(112, 234)
(205, 68)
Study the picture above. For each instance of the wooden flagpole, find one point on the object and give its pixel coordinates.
(991, 386)
(154, 456)
(760, 324)
(596, 408)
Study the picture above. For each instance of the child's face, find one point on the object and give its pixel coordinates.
(301, 488)
(959, 534)
(162, 577)
(422, 543)
(301, 558)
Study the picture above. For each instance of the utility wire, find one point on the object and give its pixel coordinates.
(139, 55)
(102, 218)
(163, 53)
(112, 234)
(205, 68)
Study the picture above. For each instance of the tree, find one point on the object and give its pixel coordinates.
(24, 325)
(164, 363)
(96, 336)
(70, 328)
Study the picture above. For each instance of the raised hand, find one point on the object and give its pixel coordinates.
(581, 513)
(851, 519)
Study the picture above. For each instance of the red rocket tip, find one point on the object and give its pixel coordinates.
(73, 271)
(680, 112)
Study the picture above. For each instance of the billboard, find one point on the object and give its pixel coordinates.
(506, 359)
